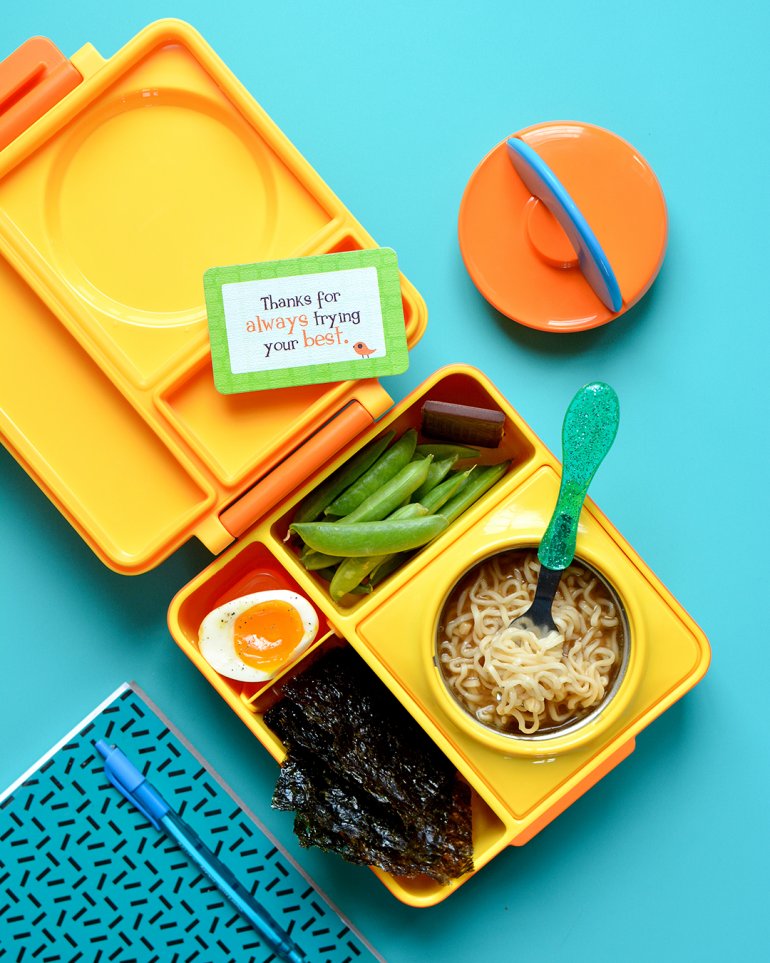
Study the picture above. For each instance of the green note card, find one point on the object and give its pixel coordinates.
(306, 320)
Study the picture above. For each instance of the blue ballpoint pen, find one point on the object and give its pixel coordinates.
(126, 778)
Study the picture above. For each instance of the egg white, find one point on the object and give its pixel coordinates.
(216, 636)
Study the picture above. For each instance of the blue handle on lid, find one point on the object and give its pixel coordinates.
(546, 186)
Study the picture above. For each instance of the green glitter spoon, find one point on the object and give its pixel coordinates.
(589, 429)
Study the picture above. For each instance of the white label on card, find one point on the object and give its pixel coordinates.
(303, 320)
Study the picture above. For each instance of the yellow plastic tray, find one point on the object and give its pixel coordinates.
(156, 166)
(394, 628)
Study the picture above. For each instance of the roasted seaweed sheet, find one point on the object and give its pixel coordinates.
(363, 779)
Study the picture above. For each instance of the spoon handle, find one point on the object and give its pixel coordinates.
(589, 429)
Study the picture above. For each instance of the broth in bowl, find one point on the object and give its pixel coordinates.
(510, 679)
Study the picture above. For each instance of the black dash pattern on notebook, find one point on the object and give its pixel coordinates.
(85, 877)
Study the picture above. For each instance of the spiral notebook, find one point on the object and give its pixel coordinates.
(85, 877)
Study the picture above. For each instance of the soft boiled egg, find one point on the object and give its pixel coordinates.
(251, 638)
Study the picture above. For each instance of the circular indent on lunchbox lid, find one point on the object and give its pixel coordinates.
(147, 191)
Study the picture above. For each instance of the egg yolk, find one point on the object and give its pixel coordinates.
(266, 634)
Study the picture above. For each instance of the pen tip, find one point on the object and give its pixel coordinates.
(102, 748)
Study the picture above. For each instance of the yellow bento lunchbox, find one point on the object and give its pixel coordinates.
(113, 202)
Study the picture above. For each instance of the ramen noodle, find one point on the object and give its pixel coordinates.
(509, 678)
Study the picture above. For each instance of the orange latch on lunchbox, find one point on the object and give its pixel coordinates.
(32, 79)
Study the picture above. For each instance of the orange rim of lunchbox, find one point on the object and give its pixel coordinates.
(32, 79)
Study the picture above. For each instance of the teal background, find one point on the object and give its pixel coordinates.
(394, 104)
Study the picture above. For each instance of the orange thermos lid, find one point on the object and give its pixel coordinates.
(563, 226)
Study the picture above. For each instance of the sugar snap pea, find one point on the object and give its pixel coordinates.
(433, 502)
(410, 511)
(447, 489)
(387, 567)
(328, 574)
(315, 561)
(393, 493)
(370, 538)
(440, 450)
(352, 571)
(484, 477)
(387, 465)
(437, 472)
(312, 506)
(470, 486)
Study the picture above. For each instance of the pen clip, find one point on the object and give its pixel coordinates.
(131, 784)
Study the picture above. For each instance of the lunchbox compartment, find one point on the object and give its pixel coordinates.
(490, 832)
(252, 569)
(460, 383)
(55, 397)
(461, 715)
(233, 430)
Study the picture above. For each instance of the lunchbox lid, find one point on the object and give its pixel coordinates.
(121, 182)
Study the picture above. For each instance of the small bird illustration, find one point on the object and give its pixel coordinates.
(360, 348)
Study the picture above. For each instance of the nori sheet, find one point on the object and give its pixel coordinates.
(363, 778)
(359, 720)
